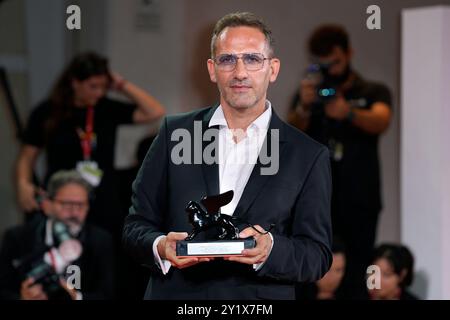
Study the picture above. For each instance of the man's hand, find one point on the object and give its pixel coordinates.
(26, 196)
(308, 93)
(31, 291)
(71, 292)
(259, 253)
(337, 108)
(167, 251)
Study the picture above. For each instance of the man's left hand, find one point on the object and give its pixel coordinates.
(337, 108)
(259, 253)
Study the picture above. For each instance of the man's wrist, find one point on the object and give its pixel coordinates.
(161, 247)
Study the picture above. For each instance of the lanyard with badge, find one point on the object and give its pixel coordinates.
(88, 139)
(336, 146)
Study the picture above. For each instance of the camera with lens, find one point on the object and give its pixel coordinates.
(47, 265)
(318, 73)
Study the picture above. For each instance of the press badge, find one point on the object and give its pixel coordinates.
(90, 171)
(336, 149)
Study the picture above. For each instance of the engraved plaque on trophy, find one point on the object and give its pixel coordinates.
(205, 216)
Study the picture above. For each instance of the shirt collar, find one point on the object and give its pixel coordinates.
(262, 122)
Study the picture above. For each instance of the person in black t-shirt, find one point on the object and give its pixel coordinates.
(76, 127)
(27, 273)
(342, 110)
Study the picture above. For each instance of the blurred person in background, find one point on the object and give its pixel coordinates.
(67, 201)
(336, 106)
(76, 126)
(396, 264)
(326, 288)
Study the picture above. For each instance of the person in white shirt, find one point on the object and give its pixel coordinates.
(293, 193)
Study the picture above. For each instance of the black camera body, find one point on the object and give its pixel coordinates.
(326, 87)
(41, 268)
(45, 275)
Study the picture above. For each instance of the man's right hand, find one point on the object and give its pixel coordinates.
(308, 92)
(26, 196)
(31, 291)
(167, 251)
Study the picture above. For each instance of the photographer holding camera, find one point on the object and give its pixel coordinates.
(34, 257)
(347, 113)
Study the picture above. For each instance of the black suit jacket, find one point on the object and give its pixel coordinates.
(296, 199)
(95, 263)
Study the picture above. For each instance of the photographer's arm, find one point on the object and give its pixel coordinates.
(148, 107)
(299, 116)
(24, 172)
(374, 121)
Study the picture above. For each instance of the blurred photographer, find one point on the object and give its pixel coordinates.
(347, 113)
(34, 257)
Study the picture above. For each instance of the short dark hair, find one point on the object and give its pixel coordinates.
(242, 19)
(64, 177)
(325, 37)
(62, 96)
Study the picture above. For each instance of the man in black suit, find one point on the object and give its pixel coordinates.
(290, 189)
(67, 202)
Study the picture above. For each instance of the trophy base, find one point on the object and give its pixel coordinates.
(217, 248)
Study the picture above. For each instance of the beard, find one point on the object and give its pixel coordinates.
(73, 224)
(240, 100)
(337, 80)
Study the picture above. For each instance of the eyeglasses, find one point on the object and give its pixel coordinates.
(252, 61)
(71, 205)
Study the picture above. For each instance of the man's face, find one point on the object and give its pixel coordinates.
(338, 59)
(88, 92)
(241, 88)
(70, 205)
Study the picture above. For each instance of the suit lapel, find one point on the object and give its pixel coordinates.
(210, 171)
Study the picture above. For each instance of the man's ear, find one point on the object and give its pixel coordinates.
(275, 65)
(211, 70)
(47, 206)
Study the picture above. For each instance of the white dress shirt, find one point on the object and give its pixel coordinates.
(236, 162)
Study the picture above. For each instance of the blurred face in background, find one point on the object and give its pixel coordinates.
(332, 279)
(89, 91)
(70, 205)
(389, 282)
(339, 61)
